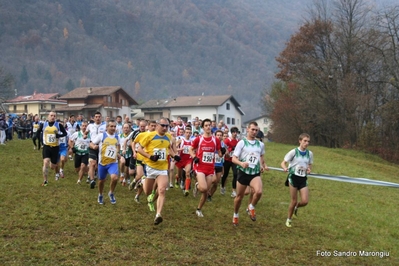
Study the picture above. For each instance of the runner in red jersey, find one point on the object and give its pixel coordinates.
(203, 153)
(183, 147)
(231, 144)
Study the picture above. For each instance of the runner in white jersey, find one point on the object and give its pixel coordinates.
(126, 155)
(64, 148)
(71, 127)
(300, 164)
(94, 129)
(249, 157)
(80, 147)
(119, 125)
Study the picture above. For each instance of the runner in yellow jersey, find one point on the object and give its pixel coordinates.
(52, 130)
(107, 143)
(155, 148)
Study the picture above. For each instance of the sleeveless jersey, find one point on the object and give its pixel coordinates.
(249, 151)
(71, 128)
(50, 134)
(219, 160)
(206, 148)
(185, 145)
(81, 145)
(63, 141)
(95, 129)
(122, 138)
(35, 127)
(298, 161)
(155, 144)
(108, 149)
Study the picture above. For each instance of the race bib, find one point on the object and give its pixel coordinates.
(218, 159)
(207, 157)
(34, 130)
(161, 153)
(300, 171)
(110, 152)
(186, 149)
(82, 147)
(253, 159)
(51, 139)
(63, 140)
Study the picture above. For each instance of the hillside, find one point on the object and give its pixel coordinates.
(151, 48)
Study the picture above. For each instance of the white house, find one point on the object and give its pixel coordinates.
(214, 107)
(264, 123)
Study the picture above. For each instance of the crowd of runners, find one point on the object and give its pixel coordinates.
(151, 157)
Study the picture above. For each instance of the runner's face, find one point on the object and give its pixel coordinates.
(151, 127)
(51, 117)
(207, 127)
(111, 128)
(97, 119)
(126, 128)
(142, 127)
(219, 135)
(187, 134)
(83, 127)
(304, 143)
(252, 131)
(163, 127)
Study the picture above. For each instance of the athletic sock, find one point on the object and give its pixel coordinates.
(235, 215)
(188, 183)
(251, 207)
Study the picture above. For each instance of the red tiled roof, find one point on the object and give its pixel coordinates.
(37, 97)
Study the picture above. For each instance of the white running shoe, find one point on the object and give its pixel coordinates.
(199, 213)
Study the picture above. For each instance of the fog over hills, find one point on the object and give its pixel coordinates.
(153, 49)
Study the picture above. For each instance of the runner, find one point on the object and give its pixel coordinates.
(35, 137)
(202, 151)
(52, 130)
(249, 157)
(231, 143)
(107, 143)
(218, 166)
(300, 165)
(126, 154)
(155, 147)
(183, 147)
(80, 147)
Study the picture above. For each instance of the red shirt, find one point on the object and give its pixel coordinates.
(206, 148)
(231, 145)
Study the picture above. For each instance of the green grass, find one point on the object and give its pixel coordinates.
(63, 224)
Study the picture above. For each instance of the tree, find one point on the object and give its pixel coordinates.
(69, 86)
(6, 84)
(24, 77)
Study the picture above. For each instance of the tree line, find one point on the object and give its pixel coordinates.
(338, 79)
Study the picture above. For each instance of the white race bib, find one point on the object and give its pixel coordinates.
(110, 152)
(186, 149)
(51, 139)
(34, 130)
(161, 153)
(207, 157)
(253, 159)
(300, 171)
(218, 159)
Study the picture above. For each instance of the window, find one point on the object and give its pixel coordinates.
(228, 120)
(52, 106)
(43, 106)
(26, 107)
(15, 108)
(109, 99)
(233, 121)
(265, 120)
(227, 106)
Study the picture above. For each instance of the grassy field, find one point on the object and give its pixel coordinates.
(62, 224)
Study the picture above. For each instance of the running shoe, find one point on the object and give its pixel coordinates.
(100, 199)
(186, 193)
(252, 214)
(137, 199)
(57, 177)
(151, 206)
(158, 219)
(296, 211)
(78, 182)
(195, 190)
(233, 194)
(288, 223)
(121, 179)
(70, 158)
(199, 213)
(235, 221)
(132, 185)
(222, 190)
(111, 197)
(150, 198)
(45, 183)
(88, 180)
(62, 174)
(171, 185)
(182, 185)
(124, 182)
(92, 184)
(177, 185)
(128, 181)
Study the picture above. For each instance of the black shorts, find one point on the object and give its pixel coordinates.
(93, 154)
(245, 179)
(218, 169)
(79, 159)
(52, 153)
(132, 163)
(138, 162)
(297, 181)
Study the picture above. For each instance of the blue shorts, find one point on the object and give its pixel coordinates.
(111, 169)
(63, 151)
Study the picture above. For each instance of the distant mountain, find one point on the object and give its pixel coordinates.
(153, 49)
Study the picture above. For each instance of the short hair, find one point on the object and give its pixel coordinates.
(234, 129)
(303, 135)
(71, 116)
(219, 131)
(98, 113)
(119, 116)
(252, 123)
(205, 120)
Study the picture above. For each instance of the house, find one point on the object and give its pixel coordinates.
(214, 107)
(264, 123)
(110, 101)
(37, 103)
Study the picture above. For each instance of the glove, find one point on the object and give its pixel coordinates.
(177, 158)
(154, 158)
(196, 160)
(223, 150)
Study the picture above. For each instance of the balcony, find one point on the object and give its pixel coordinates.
(112, 105)
(19, 111)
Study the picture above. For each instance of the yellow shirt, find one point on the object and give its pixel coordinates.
(108, 149)
(155, 144)
(49, 134)
(139, 137)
